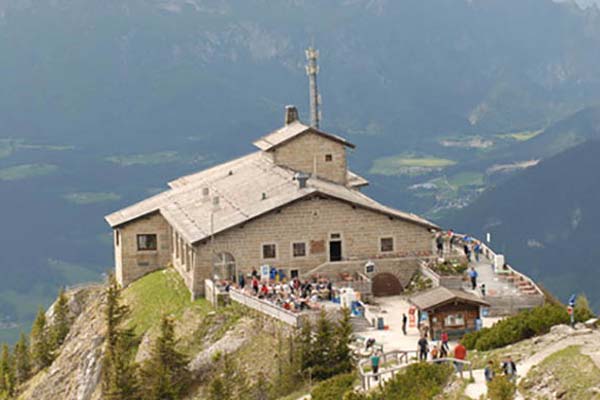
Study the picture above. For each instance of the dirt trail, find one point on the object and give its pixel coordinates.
(589, 347)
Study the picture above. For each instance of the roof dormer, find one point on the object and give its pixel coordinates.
(304, 148)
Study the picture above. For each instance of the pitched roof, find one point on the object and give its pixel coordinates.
(247, 187)
(442, 295)
(291, 131)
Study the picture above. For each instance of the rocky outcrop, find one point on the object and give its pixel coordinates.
(75, 374)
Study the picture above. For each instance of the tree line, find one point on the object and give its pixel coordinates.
(36, 352)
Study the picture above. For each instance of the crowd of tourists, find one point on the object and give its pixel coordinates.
(294, 294)
(449, 243)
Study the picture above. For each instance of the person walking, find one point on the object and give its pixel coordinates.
(509, 368)
(477, 251)
(488, 372)
(483, 290)
(473, 275)
(375, 359)
(460, 353)
(404, 323)
(423, 348)
(467, 251)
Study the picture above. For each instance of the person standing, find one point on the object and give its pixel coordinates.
(488, 372)
(509, 368)
(404, 322)
(460, 353)
(467, 251)
(375, 358)
(473, 275)
(445, 349)
(423, 348)
(439, 241)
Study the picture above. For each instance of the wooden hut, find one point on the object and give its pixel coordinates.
(449, 310)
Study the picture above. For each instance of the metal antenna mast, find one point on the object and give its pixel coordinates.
(312, 69)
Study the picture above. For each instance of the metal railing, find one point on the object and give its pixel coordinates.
(403, 359)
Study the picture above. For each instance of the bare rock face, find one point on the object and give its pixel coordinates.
(75, 374)
(229, 343)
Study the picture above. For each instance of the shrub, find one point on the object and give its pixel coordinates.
(582, 310)
(417, 381)
(524, 325)
(501, 388)
(333, 388)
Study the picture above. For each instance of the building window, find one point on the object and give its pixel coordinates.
(386, 244)
(299, 249)
(117, 238)
(328, 157)
(269, 251)
(146, 242)
(454, 320)
(294, 273)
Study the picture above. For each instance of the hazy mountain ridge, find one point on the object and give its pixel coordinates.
(200, 80)
(545, 220)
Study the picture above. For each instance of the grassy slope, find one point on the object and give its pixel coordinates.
(571, 372)
(159, 293)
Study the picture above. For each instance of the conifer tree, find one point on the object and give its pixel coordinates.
(41, 353)
(343, 335)
(7, 381)
(322, 348)
(61, 325)
(165, 375)
(305, 341)
(118, 369)
(22, 360)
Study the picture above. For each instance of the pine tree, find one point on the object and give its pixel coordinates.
(41, 353)
(118, 369)
(165, 375)
(343, 336)
(289, 371)
(322, 348)
(22, 360)
(61, 325)
(7, 381)
(261, 389)
(305, 341)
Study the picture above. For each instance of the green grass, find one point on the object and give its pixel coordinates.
(162, 157)
(520, 136)
(83, 198)
(25, 171)
(467, 179)
(10, 146)
(408, 164)
(570, 371)
(159, 293)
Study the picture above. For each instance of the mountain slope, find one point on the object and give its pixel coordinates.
(545, 219)
(102, 102)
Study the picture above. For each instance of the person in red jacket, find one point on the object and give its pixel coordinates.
(445, 349)
(460, 353)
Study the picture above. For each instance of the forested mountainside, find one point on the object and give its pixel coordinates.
(545, 219)
(102, 102)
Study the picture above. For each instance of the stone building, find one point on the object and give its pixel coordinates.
(293, 204)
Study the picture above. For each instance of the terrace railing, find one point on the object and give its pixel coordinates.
(401, 360)
(266, 308)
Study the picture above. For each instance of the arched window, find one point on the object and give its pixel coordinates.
(224, 266)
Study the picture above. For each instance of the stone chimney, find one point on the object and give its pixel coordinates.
(291, 114)
(301, 177)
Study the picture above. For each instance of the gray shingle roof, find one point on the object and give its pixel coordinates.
(441, 295)
(290, 131)
(240, 185)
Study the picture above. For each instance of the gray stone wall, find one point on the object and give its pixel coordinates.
(131, 263)
(312, 221)
(309, 150)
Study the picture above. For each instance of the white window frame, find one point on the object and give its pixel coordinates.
(379, 249)
(262, 245)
